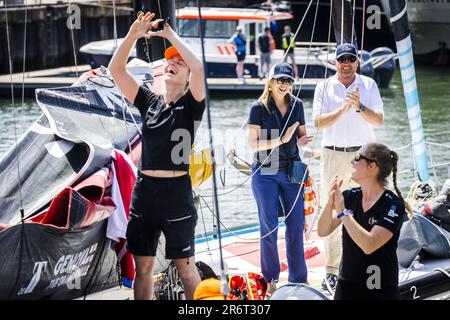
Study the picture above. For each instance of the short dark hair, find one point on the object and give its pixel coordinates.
(266, 29)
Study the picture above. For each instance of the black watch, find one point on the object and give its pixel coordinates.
(362, 108)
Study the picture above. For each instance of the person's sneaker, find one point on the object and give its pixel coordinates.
(332, 281)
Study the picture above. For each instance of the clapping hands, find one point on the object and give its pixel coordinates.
(336, 199)
(352, 98)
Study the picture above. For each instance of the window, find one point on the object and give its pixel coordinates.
(188, 28)
(213, 28)
(220, 28)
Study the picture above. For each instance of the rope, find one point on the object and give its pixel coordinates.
(24, 53)
(363, 25)
(211, 145)
(147, 52)
(204, 228)
(342, 22)
(445, 272)
(22, 212)
(160, 15)
(353, 20)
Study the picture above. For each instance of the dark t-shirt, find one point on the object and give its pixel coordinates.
(270, 129)
(264, 43)
(389, 213)
(168, 131)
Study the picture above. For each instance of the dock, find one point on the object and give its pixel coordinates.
(66, 76)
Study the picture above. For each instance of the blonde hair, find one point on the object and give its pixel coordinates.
(264, 98)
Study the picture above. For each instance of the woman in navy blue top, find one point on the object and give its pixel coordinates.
(276, 108)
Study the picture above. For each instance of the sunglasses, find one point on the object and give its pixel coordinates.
(346, 59)
(284, 80)
(359, 156)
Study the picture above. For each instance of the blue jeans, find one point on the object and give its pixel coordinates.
(268, 190)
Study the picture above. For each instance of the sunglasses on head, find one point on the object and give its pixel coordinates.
(346, 59)
(359, 156)
(285, 80)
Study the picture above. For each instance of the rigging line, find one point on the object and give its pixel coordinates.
(342, 22)
(204, 228)
(445, 272)
(287, 120)
(147, 52)
(161, 17)
(244, 240)
(363, 24)
(73, 44)
(126, 129)
(353, 20)
(211, 145)
(22, 213)
(24, 53)
(298, 30)
(114, 24)
(301, 185)
(121, 94)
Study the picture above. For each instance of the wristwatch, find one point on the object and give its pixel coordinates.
(362, 108)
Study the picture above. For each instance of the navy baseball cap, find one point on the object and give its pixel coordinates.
(282, 69)
(346, 48)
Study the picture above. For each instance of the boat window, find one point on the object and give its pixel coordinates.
(213, 28)
(220, 28)
(188, 28)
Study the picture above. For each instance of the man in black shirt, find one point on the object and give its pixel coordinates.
(372, 217)
(265, 50)
(168, 129)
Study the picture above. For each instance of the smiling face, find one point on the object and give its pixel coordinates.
(280, 87)
(176, 72)
(347, 69)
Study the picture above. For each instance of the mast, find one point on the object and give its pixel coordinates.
(156, 45)
(399, 19)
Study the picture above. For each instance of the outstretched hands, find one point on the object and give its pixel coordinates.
(143, 26)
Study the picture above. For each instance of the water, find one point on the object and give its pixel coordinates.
(238, 207)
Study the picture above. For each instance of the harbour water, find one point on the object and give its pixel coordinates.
(236, 205)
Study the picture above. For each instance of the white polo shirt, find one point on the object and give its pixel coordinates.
(351, 129)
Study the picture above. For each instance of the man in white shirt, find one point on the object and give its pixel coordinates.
(346, 108)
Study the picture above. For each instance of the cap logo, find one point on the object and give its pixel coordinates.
(283, 69)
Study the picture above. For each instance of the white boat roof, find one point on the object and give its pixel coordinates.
(213, 13)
